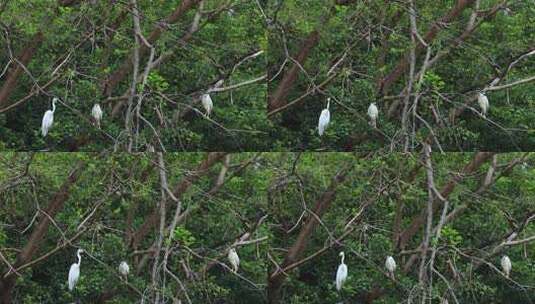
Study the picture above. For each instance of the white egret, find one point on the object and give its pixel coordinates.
(341, 274)
(506, 265)
(74, 272)
(48, 118)
(96, 112)
(325, 118)
(390, 265)
(483, 102)
(207, 103)
(234, 259)
(373, 112)
(124, 269)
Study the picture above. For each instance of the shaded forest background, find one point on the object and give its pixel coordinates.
(86, 52)
(446, 219)
(422, 62)
(269, 67)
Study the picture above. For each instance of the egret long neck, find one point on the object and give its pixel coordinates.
(343, 256)
(79, 258)
(54, 109)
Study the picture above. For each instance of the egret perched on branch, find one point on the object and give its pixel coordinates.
(373, 112)
(341, 274)
(74, 272)
(325, 118)
(207, 103)
(234, 259)
(96, 112)
(483, 102)
(124, 269)
(390, 265)
(506, 265)
(48, 118)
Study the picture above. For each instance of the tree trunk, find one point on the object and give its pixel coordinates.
(5, 291)
(16, 69)
(437, 26)
(126, 67)
(24, 58)
(278, 99)
(180, 189)
(479, 159)
(276, 279)
(39, 232)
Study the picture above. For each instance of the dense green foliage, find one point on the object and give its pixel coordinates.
(381, 181)
(213, 223)
(115, 195)
(76, 48)
(447, 219)
(84, 44)
(368, 39)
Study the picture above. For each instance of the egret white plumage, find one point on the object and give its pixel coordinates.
(373, 113)
(325, 118)
(96, 112)
(483, 102)
(390, 265)
(207, 103)
(124, 269)
(48, 118)
(74, 272)
(506, 265)
(341, 273)
(234, 259)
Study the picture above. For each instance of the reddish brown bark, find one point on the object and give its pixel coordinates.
(153, 219)
(385, 45)
(398, 218)
(278, 99)
(180, 189)
(106, 296)
(111, 35)
(126, 67)
(437, 26)
(276, 279)
(39, 232)
(24, 58)
(373, 295)
(479, 159)
(17, 68)
(120, 103)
